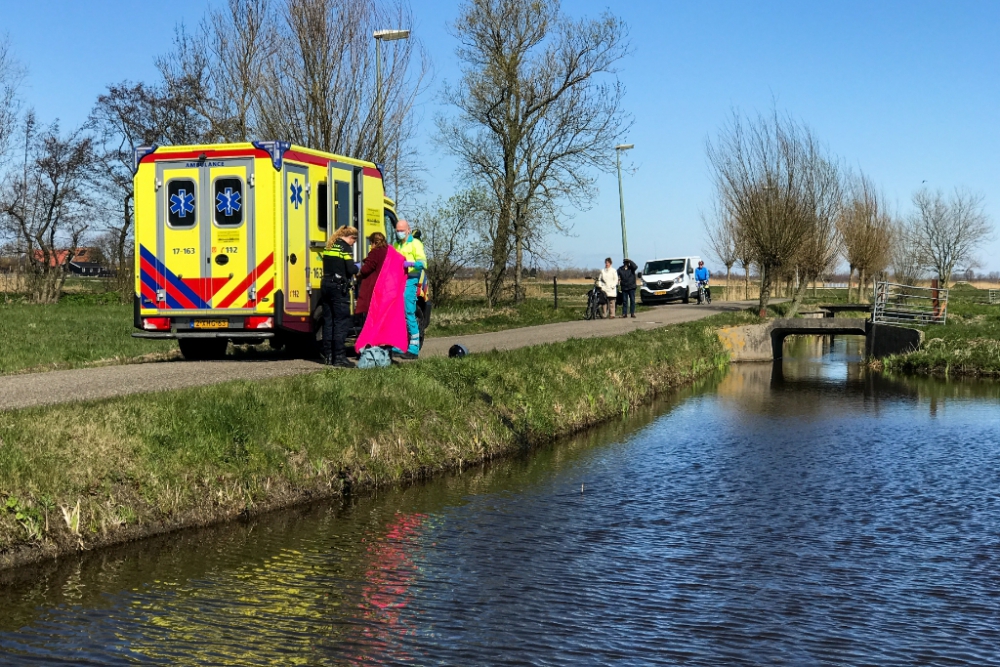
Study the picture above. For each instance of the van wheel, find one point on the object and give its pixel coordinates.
(687, 296)
(203, 349)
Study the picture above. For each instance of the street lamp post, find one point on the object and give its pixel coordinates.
(621, 197)
(380, 36)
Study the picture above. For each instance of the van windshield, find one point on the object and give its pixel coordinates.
(663, 266)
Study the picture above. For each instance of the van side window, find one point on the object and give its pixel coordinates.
(181, 210)
(342, 207)
(322, 208)
(228, 198)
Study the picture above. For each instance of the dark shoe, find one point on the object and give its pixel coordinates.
(409, 356)
(328, 360)
(343, 362)
(632, 316)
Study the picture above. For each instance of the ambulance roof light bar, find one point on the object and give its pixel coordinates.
(390, 35)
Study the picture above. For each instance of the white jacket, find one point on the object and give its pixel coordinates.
(609, 281)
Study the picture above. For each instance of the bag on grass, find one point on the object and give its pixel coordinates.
(374, 357)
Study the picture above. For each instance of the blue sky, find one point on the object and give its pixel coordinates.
(906, 91)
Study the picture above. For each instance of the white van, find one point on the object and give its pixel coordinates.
(665, 280)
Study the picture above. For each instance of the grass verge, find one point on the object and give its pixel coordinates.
(90, 474)
(81, 330)
(95, 330)
(968, 345)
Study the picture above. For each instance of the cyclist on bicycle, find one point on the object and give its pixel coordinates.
(701, 277)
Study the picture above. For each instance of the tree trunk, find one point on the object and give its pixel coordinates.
(518, 255)
(850, 283)
(861, 282)
(729, 268)
(765, 290)
(746, 282)
(800, 294)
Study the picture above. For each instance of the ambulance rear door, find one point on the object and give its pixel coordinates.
(204, 234)
(231, 241)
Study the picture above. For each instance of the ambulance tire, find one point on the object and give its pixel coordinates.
(687, 297)
(203, 349)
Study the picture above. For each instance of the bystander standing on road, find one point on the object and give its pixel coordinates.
(608, 282)
(626, 280)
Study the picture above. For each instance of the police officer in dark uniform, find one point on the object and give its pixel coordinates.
(338, 268)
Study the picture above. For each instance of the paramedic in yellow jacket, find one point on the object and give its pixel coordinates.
(415, 261)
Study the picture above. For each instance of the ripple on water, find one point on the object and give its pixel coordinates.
(816, 517)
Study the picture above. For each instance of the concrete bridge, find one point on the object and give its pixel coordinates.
(764, 342)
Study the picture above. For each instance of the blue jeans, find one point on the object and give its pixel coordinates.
(628, 302)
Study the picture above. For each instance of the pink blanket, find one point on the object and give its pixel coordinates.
(386, 322)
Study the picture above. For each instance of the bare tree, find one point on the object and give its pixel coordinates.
(124, 118)
(759, 171)
(451, 232)
(539, 110)
(949, 232)
(905, 257)
(304, 71)
(48, 207)
(822, 199)
(866, 229)
(12, 74)
(723, 239)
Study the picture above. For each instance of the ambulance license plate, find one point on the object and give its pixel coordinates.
(211, 324)
(660, 292)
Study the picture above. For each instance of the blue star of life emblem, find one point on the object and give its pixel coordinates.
(228, 202)
(296, 194)
(181, 203)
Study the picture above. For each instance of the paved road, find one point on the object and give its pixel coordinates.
(22, 391)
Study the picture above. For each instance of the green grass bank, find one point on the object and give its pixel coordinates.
(95, 329)
(967, 345)
(91, 474)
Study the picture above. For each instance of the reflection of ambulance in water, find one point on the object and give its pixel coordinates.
(229, 240)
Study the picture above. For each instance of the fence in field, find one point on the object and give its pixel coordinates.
(906, 304)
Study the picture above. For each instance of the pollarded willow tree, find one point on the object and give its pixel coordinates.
(539, 110)
(723, 240)
(867, 229)
(304, 71)
(761, 169)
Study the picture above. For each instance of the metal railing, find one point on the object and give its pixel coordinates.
(906, 304)
(994, 296)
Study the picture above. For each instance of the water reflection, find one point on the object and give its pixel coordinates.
(811, 513)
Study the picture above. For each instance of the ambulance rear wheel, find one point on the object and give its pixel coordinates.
(202, 349)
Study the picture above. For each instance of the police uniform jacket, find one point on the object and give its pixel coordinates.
(338, 264)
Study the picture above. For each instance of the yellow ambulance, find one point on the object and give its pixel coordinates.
(228, 240)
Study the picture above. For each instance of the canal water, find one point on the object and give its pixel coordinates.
(805, 514)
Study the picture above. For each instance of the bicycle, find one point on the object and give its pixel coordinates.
(704, 293)
(595, 299)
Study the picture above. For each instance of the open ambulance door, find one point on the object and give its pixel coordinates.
(297, 193)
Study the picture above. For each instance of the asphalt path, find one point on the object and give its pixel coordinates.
(84, 384)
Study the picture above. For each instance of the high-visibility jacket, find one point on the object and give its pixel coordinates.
(412, 250)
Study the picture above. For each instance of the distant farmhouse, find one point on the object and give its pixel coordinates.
(82, 262)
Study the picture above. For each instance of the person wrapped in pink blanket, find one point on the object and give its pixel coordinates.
(384, 302)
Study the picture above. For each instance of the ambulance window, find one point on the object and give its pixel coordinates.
(390, 225)
(342, 208)
(322, 210)
(181, 203)
(228, 201)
